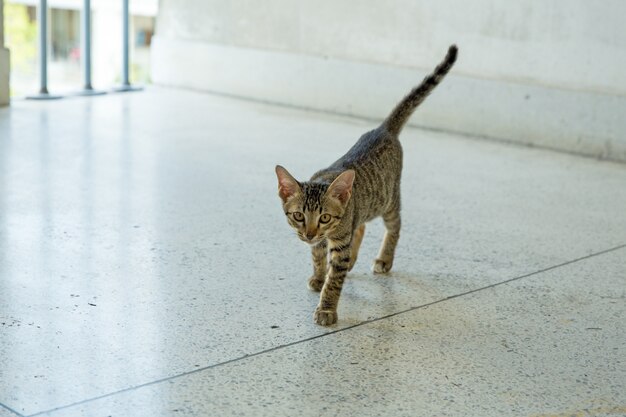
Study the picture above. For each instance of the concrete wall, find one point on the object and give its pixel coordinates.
(4, 62)
(544, 73)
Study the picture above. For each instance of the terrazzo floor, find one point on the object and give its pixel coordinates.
(146, 269)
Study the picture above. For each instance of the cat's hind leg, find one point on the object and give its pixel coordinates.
(319, 254)
(356, 244)
(384, 261)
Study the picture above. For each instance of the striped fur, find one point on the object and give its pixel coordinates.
(330, 210)
(401, 113)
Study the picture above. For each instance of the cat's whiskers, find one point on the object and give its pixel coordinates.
(313, 242)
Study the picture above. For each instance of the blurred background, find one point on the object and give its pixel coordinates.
(65, 46)
(544, 74)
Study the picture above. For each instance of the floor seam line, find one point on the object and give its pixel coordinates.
(6, 407)
(329, 333)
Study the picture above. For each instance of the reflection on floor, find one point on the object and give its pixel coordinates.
(146, 269)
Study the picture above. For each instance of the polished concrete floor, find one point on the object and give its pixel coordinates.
(146, 269)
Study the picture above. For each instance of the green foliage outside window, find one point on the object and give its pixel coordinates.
(20, 37)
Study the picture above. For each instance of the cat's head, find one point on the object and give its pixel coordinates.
(314, 209)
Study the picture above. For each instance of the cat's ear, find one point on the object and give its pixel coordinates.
(341, 188)
(287, 185)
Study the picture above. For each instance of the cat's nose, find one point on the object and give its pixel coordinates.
(310, 236)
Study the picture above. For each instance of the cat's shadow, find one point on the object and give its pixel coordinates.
(367, 296)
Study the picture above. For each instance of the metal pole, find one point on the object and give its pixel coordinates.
(43, 46)
(86, 50)
(125, 24)
(42, 15)
(126, 86)
(87, 43)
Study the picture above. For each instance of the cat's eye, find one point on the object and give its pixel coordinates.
(325, 218)
(297, 216)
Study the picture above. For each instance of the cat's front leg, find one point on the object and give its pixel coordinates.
(326, 312)
(319, 253)
(356, 244)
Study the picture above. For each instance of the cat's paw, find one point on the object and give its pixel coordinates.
(325, 317)
(315, 284)
(381, 267)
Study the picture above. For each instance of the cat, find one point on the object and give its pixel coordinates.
(330, 210)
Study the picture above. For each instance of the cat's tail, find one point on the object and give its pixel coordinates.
(405, 108)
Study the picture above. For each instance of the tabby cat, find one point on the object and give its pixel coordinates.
(330, 210)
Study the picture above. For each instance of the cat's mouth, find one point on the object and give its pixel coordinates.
(312, 241)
